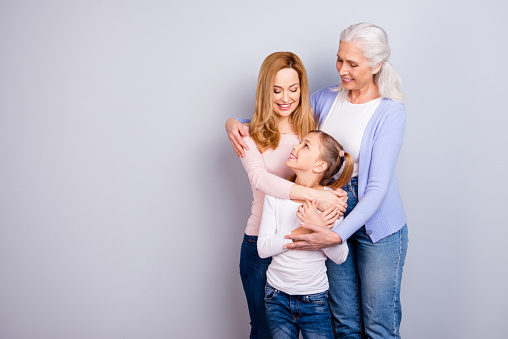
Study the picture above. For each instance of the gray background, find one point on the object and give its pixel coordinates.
(122, 204)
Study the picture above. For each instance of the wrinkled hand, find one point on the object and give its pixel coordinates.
(235, 131)
(307, 212)
(320, 237)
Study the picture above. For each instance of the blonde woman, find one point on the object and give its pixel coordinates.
(282, 116)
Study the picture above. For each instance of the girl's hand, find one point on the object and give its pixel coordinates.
(308, 212)
(235, 131)
(330, 215)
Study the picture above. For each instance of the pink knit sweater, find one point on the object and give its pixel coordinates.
(266, 172)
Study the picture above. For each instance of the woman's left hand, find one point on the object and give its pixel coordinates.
(320, 237)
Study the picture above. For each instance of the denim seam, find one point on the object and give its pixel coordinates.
(352, 190)
(396, 284)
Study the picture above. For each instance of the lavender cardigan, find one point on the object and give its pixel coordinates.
(379, 207)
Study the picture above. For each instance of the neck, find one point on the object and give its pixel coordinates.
(308, 179)
(285, 126)
(363, 95)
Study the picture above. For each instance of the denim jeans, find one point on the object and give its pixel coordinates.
(253, 274)
(287, 314)
(365, 289)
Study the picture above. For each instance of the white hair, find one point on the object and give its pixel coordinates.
(372, 41)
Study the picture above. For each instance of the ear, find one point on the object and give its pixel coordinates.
(320, 166)
(377, 68)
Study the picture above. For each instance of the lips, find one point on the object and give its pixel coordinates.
(346, 81)
(284, 106)
(291, 157)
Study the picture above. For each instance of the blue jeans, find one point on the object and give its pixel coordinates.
(365, 289)
(287, 314)
(253, 274)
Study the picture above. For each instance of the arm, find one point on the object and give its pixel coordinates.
(276, 186)
(319, 238)
(270, 242)
(259, 176)
(385, 152)
(338, 253)
(299, 192)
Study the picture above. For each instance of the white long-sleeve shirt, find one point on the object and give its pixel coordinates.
(293, 272)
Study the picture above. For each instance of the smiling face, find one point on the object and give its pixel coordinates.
(306, 155)
(286, 92)
(354, 68)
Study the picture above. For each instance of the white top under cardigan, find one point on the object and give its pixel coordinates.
(347, 123)
(293, 272)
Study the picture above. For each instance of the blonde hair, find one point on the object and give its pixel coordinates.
(372, 41)
(263, 128)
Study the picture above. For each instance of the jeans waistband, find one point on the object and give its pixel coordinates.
(352, 182)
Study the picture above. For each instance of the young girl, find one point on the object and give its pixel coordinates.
(297, 286)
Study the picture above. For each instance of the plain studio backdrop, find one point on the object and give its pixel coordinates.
(122, 203)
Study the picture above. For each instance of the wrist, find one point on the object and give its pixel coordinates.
(319, 195)
(335, 238)
(300, 192)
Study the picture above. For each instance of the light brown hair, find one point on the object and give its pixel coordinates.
(263, 128)
(331, 155)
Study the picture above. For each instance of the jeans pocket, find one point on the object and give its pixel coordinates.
(317, 298)
(252, 239)
(270, 293)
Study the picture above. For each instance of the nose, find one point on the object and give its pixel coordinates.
(342, 68)
(285, 96)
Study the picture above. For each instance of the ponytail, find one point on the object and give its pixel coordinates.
(347, 171)
(388, 82)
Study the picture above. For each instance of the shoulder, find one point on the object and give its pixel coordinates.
(390, 110)
(324, 93)
(392, 107)
(247, 137)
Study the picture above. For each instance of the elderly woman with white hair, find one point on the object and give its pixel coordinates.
(366, 115)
